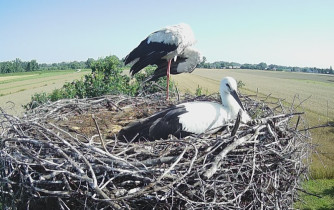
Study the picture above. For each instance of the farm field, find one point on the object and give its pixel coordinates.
(16, 89)
(284, 85)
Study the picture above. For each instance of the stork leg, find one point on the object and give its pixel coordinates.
(168, 74)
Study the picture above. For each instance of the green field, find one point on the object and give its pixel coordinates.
(321, 187)
(16, 89)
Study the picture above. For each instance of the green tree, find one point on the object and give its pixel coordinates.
(74, 65)
(261, 66)
(32, 66)
(109, 66)
(89, 62)
(18, 65)
(202, 64)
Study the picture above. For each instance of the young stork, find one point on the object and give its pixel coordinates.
(166, 45)
(191, 117)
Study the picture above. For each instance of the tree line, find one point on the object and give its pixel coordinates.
(262, 66)
(18, 65)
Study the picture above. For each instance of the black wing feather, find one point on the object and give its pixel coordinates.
(148, 54)
(161, 70)
(169, 124)
(157, 126)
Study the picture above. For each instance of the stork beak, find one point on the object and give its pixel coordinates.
(236, 97)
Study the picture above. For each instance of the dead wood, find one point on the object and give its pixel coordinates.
(46, 160)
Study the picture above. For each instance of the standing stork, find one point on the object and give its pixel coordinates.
(163, 46)
(191, 117)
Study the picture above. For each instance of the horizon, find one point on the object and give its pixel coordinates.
(295, 34)
(102, 57)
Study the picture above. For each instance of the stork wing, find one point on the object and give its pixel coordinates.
(157, 126)
(161, 70)
(186, 62)
(148, 53)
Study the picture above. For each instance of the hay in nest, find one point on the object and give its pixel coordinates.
(66, 155)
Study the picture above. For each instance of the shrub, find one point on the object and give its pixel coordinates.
(240, 84)
(107, 77)
(36, 100)
(199, 91)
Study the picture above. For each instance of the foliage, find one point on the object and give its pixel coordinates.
(218, 65)
(199, 91)
(110, 66)
(18, 65)
(107, 77)
(64, 65)
(36, 100)
(262, 66)
(240, 84)
(26, 66)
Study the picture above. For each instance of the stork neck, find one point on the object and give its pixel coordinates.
(230, 103)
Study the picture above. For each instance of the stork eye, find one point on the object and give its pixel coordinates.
(228, 86)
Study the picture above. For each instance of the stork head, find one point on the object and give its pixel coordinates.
(228, 86)
(192, 53)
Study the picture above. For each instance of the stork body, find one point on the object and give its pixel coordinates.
(191, 117)
(185, 63)
(163, 46)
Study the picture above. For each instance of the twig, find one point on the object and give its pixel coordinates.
(216, 164)
(99, 132)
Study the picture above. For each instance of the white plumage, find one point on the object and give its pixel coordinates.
(191, 117)
(179, 35)
(209, 116)
(163, 46)
(192, 57)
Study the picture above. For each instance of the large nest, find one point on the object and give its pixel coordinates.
(66, 155)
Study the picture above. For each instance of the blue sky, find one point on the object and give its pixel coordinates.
(285, 32)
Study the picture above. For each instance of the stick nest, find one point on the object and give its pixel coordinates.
(66, 155)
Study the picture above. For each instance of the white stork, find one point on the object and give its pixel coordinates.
(161, 47)
(191, 117)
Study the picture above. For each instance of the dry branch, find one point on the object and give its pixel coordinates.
(42, 161)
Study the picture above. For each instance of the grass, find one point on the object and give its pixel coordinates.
(17, 80)
(320, 187)
(19, 87)
(22, 76)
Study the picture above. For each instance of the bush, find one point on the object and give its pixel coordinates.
(240, 84)
(199, 91)
(106, 78)
(36, 100)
